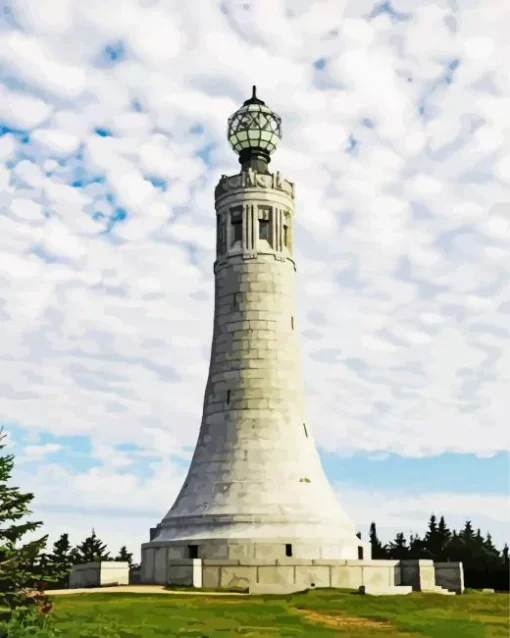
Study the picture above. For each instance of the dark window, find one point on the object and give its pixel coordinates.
(193, 551)
(221, 241)
(286, 236)
(264, 229)
(360, 552)
(304, 428)
(237, 230)
(228, 397)
(288, 550)
(235, 298)
(292, 323)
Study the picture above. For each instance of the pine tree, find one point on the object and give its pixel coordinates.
(467, 534)
(124, 556)
(378, 549)
(506, 559)
(398, 547)
(492, 555)
(62, 558)
(443, 538)
(431, 540)
(21, 564)
(471, 545)
(92, 550)
(455, 547)
(417, 547)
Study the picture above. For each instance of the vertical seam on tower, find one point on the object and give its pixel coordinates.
(244, 218)
(273, 228)
(253, 229)
(277, 229)
(280, 215)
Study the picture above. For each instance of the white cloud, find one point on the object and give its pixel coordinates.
(402, 243)
(21, 111)
(58, 143)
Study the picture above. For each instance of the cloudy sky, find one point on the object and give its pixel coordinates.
(396, 131)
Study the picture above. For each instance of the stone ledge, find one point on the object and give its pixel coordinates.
(372, 563)
(385, 590)
(258, 562)
(277, 588)
(222, 562)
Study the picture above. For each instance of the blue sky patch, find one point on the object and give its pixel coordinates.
(459, 473)
(114, 53)
(102, 132)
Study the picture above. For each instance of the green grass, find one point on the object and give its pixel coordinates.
(315, 614)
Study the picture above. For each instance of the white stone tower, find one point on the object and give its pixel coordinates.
(255, 487)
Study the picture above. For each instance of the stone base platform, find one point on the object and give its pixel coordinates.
(285, 575)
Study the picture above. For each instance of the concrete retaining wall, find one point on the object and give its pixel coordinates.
(99, 574)
(450, 576)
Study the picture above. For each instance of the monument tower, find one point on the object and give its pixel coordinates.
(255, 488)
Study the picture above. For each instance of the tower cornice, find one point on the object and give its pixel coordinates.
(251, 179)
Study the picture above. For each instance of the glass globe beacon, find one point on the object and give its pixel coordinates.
(254, 130)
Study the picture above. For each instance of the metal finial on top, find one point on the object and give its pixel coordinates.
(254, 99)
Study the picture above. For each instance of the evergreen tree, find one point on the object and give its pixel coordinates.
(455, 547)
(124, 556)
(92, 550)
(62, 558)
(21, 563)
(484, 565)
(492, 555)
(431, 541)
(398, 548)
(417, 547)
(467, 534)
(471, 546)
(506, 559)
(378, 549)
(443, 538)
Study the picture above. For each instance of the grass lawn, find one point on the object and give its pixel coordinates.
(319, 613)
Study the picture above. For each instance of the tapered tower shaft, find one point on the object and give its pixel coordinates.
(255, 479)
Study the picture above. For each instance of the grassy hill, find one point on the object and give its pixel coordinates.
(319, 613)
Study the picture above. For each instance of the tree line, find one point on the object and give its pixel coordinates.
(484, 565)
(64, 556)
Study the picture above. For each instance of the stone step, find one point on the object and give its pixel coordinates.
(273, 588)
(385, 590)
(438, 590)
